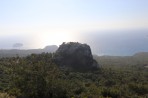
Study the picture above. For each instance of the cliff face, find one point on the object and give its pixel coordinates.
(75, 55)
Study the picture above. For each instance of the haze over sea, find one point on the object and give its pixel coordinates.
(115, 27)
(118, 43)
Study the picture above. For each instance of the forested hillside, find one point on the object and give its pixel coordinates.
(22, 53)
(36, 76)
(138, 59)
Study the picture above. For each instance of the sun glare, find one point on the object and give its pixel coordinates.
(56, 38)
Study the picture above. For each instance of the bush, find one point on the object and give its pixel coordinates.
(113, 93)
(5, 95)
(138, 88)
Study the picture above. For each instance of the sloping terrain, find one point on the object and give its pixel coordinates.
(140, 58)
(22, 53)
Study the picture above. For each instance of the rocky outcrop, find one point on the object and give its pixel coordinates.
(50, 48)
(75, 55)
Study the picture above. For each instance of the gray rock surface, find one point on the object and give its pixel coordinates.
(75, 55)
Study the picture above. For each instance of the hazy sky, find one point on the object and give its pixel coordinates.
(37, 23)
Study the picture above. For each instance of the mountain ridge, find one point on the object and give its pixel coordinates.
(26, 52)
(140, 58)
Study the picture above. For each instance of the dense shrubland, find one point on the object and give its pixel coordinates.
(36, 76)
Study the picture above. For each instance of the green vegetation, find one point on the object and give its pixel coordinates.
(36, 76)
(138, 59)
(5, 95)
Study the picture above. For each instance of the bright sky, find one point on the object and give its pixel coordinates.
(37, 23)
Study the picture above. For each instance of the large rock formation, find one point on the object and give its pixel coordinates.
(75, 55)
